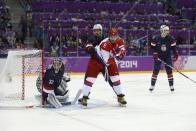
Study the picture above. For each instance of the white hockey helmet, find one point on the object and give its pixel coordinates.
(97, 27)
(164, 28)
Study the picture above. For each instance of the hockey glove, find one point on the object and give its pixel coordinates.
(175, 57)
(155, 56)
(90, 49)
(121, 54)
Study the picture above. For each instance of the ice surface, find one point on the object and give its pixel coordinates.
(160, 110)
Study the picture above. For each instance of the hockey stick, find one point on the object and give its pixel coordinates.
(42, 106)
(172, 67)
(76, 97)
(31, 106)
(100, 57)
(68, 102)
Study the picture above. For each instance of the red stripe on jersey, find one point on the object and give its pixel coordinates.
(170, 76)
(154, 76)
(48, 87)
(173, 44)
(153, 44)
(116, 83)
(88, 83)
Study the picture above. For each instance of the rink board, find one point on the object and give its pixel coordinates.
(128, 64)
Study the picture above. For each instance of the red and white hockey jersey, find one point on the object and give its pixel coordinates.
(108, 51)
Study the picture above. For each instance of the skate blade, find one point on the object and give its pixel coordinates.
(84, 107)
(151, 90)
(172, 92)
(122, 105)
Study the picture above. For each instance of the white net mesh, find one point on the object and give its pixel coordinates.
(18, 79)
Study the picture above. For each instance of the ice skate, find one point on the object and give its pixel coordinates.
(171, 88)
(121, 100)
(83, 101)
(151, 88)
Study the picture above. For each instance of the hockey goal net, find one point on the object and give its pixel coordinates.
(18, 79)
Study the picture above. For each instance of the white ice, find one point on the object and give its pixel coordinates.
(160, 110)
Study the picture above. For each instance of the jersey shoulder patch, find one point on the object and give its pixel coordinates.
(106, 45)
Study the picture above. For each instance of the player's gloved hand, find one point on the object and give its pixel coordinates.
(155, 56)
(121, 54)
(90, 49)
(175, 57)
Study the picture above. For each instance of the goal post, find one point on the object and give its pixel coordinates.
(18, 79)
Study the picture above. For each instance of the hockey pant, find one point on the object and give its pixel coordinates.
(93, 69)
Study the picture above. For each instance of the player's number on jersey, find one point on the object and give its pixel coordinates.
(51, 82)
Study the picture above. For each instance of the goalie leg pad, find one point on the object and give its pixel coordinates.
(64, 98)
(39, 84)
(66, 78)
(51, 99)
(61, 90)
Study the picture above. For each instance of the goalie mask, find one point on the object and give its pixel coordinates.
(56, 64)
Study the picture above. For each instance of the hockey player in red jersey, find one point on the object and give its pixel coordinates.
(93, 41)
(108, 52)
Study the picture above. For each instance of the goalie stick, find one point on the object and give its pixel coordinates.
(79, 92)
(69, 102)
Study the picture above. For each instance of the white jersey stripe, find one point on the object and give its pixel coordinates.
(153, 44)
(173, 44)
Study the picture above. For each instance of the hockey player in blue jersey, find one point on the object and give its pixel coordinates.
(54, 84)
(95, 39)
(163, 48)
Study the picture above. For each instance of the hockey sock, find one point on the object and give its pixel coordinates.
(117, 89)
(116, 84)
(153, 80)
(170, 80)
(86, 90)
(88, 83)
